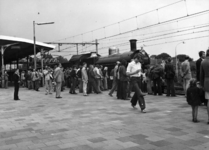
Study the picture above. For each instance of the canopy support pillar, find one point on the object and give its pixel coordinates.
(27, 63)
(17, 63)
(42, 65)
(2, 66)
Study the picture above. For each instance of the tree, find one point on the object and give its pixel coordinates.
(153, 56)
(181, 57)
(61, 59)
(163, 56)
(48, 56)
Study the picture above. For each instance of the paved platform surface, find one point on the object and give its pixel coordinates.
(98, 122)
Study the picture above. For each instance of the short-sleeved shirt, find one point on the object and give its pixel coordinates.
(132, 67)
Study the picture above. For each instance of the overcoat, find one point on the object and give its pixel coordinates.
(204, 74)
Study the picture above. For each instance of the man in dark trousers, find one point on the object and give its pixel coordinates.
(204, 78)
(157, 75)
(16, 78)
(198, 64)
(169, 76)
(134, 71)
(73, 80)
(92, 81)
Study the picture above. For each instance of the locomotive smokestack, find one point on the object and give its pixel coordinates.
(133, 44)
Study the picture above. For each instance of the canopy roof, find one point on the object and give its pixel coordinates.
(18, 48)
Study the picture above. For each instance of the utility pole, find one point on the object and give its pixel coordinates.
(34, 46)
(2, 66)
(96, 46)
(77, 48)
(42, 65)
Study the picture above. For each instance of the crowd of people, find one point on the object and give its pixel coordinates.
(124, 78)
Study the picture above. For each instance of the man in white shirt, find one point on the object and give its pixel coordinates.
(98, 77)
(134, 71)
(58, 79)
(84, 79)
(47, 79)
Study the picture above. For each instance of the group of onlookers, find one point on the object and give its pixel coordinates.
(123, 78)
(30, 79)
(86, 79)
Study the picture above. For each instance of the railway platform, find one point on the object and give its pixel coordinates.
(98, 122)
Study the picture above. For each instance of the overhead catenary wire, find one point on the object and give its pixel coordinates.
(178, 31)
(142, 40)
(165, 22)
(162, 23)
(193, 26)
(122, 20)
(186, 39)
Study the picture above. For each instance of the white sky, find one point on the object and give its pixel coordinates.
(73, 17)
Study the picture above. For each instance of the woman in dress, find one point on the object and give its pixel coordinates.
(16, 84)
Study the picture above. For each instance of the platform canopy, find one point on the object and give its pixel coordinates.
(18, 48)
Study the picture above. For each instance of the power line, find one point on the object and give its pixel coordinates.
(187, 39)
(178, 40)
(162, 23)
(173, 36)
(194, 26)
(122, 21)
(143, 40)
(168, 33)
(165, 22)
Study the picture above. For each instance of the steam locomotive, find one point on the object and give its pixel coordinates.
(111, 59)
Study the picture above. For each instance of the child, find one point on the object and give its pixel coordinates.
(194, 98)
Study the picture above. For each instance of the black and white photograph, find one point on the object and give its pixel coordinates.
(104, 74)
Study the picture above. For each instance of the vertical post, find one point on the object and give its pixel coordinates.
(176, 65)
(17, 63)
(27, 63)
(2, 66)
(77, 48)
(34, 40)
(96, 46)
(58, 47)
(42, 54)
